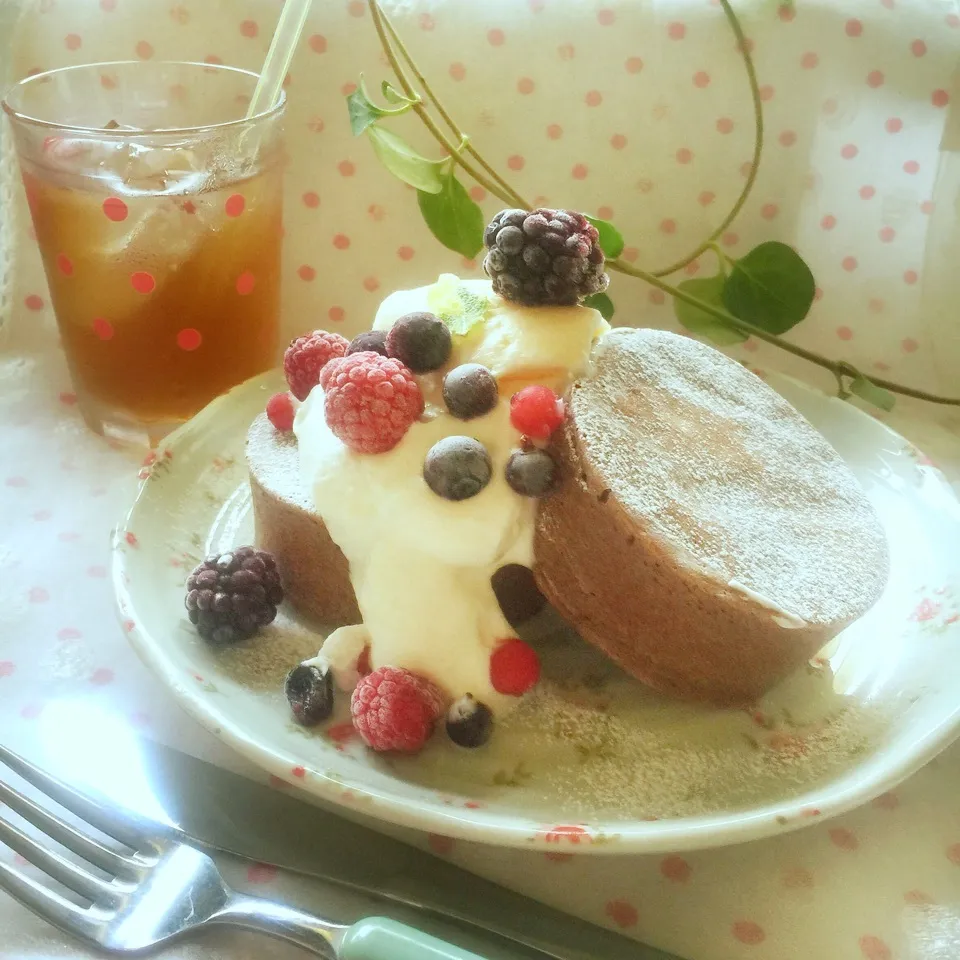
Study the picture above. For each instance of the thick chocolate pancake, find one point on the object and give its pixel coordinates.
(313, 569)
(314, 572)
(704, 535)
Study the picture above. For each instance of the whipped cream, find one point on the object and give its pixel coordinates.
(421, 565)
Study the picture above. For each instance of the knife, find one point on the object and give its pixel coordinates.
(223, 811)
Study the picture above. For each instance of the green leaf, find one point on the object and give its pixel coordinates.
(709, 290)
(867, 390)
(364, 113)
(392, 95)
(601, 302)
(453, 218)
(771, 287)
(405, 163)
(611, 240)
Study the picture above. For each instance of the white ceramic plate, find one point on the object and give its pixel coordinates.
(598, 763)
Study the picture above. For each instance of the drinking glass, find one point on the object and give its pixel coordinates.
(157, 209)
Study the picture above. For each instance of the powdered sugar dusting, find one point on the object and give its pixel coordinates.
(717, 464)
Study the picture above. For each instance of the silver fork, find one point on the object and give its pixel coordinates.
(158, 889)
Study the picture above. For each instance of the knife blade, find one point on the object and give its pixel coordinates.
(223, 811)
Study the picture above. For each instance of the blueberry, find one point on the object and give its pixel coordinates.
(421, 341)
(469, 391)
(374, 341)
(531, 473)
(469, 722)
(309, 690)
(457, 468)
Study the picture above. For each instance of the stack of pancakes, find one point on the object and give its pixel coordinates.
(703, 535)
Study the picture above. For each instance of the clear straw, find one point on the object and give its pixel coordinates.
(282, 47)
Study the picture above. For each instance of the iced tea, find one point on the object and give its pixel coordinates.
(162, 253)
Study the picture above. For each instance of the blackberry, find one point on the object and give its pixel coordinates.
(544, 257)
(469, 391)
(309, 691)
(230, 596)
(469, 722)
(457, 468)
(374, 341)
(531, 473)
(421, 341)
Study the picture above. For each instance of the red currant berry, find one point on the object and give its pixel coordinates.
(536, 412)
(514, 668)
(280, 412)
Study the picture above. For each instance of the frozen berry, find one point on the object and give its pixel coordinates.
(395, 709)
(231, 595)
(280, 412)
(544, 257)
(469, 722)
(514, 667)
(371, 401)
(373, 340)
(517, 593)
(536, 412)
(306, 357)
(457, 468)
(309, 691)
(421, 341)
(469, 391)
(531, 473)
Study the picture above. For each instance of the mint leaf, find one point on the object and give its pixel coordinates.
(405, 163)
(473, 310)
(453, 218)
(601, 302)
(771, 287)
(868, 391)
(710, 290)
(611, 240)
(364, 113)
(457, 305)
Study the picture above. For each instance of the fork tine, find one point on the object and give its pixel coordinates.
(91, 850)
(49, 905)
(101, 816)
(60, 868)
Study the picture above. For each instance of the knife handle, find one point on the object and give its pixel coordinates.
(377, 938)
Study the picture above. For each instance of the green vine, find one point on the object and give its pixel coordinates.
(763, 294)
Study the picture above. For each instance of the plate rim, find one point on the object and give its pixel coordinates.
(478, 824)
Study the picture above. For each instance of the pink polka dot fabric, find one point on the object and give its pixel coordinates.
(638, 113)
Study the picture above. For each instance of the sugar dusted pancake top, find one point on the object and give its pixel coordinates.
(713, 462)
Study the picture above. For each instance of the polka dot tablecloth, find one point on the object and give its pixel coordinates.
(639, 113)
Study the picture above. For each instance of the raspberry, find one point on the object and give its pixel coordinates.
(230, 596)
(371, 401)
(514, 667)
(306, 357)
(544, 257)
(531, 473)
(536, 412)
(421, 341)
(395, 709)
(280, 412)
